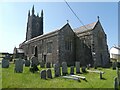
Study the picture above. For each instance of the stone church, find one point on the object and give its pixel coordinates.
(86, 44)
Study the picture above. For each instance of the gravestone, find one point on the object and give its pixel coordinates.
(83, 69)
(72, 70)
(118, 75)
(49, 73)
(114, 65)
(42, 65)
(34, 61)
(115, 83)
(101, 75)
(43, 74)
(48, 65)
(19, 65)
(57, 70)
(5, 63)
(64, 68)
(77, 64)
(27, 63)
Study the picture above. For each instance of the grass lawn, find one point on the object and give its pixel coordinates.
(30, 80)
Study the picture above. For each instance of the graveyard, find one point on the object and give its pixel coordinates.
(26, 79)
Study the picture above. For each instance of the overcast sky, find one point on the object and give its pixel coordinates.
(13, 19)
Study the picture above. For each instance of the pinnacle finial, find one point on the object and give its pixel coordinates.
(29, 13)
(33, 10)
(67, 21)
(42, 13)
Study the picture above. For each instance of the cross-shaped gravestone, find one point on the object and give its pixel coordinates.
(43, 74)
(49, 73)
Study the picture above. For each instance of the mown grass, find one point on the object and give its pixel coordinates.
(30, 80)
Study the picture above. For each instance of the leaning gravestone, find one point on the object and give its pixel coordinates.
(42, 65)
(64, 68)
(57, 70)
(5, 63)
(72, 70)
(77, 64)
(49, 73)
(43, 74)
(19, 65)
(48, 65)
(27, 63)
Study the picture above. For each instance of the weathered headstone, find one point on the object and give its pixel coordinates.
(57, 70)
(72, 70)
(34, 61)
(77, 64)
(42, 64)
(115, 83)
(83, 69)
(43, 74)
(49, 73)
(19, 65)
(114, 65)
(5, 63)
(64, 68)
(27, 63)
(48, 65)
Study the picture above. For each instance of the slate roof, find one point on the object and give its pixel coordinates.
(85, 28)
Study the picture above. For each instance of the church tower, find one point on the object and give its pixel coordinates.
(34, 25)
